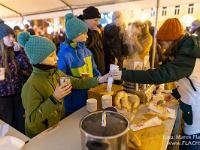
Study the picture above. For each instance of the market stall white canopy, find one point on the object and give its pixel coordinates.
(33, 9)
(18, 9)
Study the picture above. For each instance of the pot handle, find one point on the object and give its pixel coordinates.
(96, 145)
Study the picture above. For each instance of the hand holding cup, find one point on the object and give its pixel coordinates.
(63, 88)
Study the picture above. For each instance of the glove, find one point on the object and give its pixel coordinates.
(102, 79)
(116, 74)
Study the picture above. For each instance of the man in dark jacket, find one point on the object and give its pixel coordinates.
(91, 17)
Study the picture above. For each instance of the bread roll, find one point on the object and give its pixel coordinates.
(129, 107)
(134, 99)
(160, 116)
(118, 97)
(119, 106)
(135, 111)
(124, 100)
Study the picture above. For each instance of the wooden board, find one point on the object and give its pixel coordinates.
(152, 137)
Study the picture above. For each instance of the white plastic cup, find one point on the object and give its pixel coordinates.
(91, 105)
(2, 73)
(106, 101)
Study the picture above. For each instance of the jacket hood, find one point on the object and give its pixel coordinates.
(110, 30)
(189, 45)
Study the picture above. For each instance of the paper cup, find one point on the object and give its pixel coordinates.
(85, 75)
(91, 105)
(65, 79)
(106, 101)
(2, 73)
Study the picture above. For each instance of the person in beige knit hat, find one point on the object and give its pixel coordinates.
(183, 68)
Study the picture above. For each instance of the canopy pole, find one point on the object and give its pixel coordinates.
(15, 12)
(154, 36)
(68, 5)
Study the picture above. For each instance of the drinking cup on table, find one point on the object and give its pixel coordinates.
(2, 73)
(65, 79)
(91, 105)
(106, 101)
(85, 75)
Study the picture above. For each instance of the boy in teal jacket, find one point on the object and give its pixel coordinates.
(75, 59)
(42, 96)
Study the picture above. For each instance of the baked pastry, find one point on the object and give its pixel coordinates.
(151, 115)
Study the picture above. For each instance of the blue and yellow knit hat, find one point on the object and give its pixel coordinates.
(74, 26)
(37, 48)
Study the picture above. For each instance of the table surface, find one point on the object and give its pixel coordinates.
(15, 133)
(67, 136)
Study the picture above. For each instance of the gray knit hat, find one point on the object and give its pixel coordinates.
(117, 15)
(195, 25)
(5, 29)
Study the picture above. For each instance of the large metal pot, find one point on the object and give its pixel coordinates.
(104, 130)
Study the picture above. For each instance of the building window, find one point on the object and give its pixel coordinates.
(177, 10)
(153, 12)
(190, 8)
(164, 11)
(131, 14)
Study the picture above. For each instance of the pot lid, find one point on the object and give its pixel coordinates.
(115, 124)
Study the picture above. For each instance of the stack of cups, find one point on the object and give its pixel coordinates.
(106, 101)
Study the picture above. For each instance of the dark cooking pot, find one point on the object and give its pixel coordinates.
(106, 130)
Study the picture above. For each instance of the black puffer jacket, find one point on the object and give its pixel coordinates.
(113, 45)
(94, 44)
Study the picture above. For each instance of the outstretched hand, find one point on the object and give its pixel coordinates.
(104, 78)
(169, 97)
(116, 74)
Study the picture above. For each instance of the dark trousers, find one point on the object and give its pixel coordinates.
(191, 143)
(12, 111)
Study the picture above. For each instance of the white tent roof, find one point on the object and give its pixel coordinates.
(187, 19)
(35, 7)
(42, 9)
